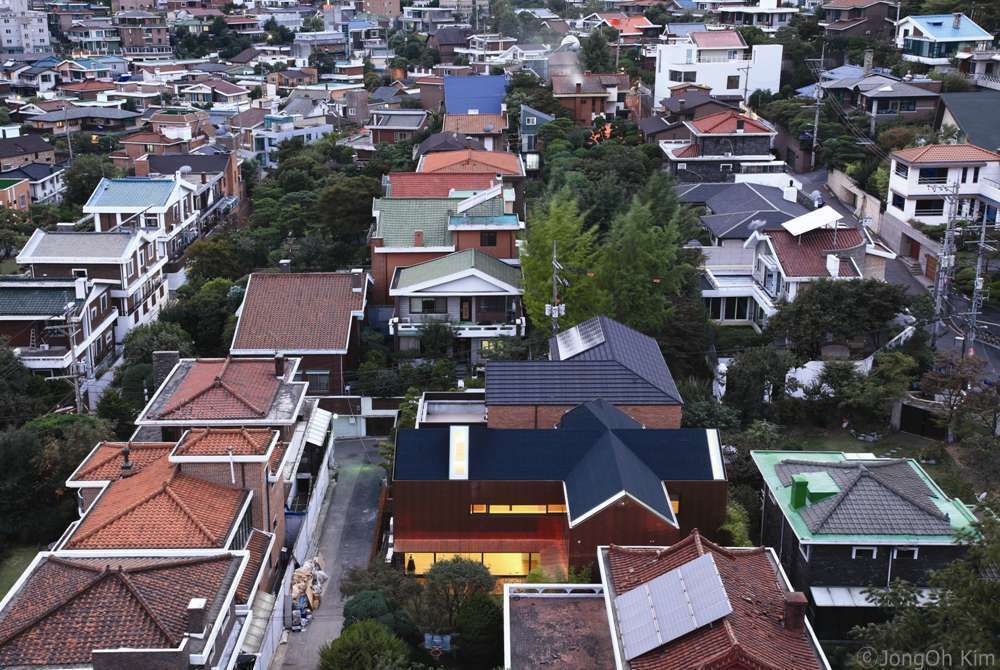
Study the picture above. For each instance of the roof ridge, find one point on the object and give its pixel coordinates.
(124, 579)
(837, 500)
(55, 606)
(190, 515)
(926, 507)
(236, 394)
(75, 540)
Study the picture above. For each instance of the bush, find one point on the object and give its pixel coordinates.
(373, 605)
(363, 645)
(735, 532)
(450, 584)
(480, 627)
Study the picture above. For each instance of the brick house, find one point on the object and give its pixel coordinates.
(396, 125)
(488, 129)
(860, 18)
(15, 193)
(314, 316)
(843, 523)
(19, 151)
(555, 495)
(204, 169)
(721, 145)
(597, 359)
(589, 95)
(287, 79)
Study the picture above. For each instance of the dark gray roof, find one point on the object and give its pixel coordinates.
(597, 451)
(655, 124)
(448, 142)
(35, 300)
(968, 108)
(733, 207)
(691, 100)
(86, 113)
(624, 367)
(387, 93)
(26, 144)
(171, 163)
(33, 171)
(452, 36)
(875, 498)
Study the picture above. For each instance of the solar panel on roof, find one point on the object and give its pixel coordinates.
(671, 606)
(579, 339)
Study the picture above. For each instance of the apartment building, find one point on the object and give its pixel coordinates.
(719, 59)
(23, 30)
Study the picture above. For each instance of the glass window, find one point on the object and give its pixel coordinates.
(905, 553)
(428, 305)
(902, 170)
(492, 303)
(898, 201)
(510, 564)
(864, 552)
(730, 309)
(675, 502)
(690, 76)
(716, 308)
(419, 563)
(557, 509)
(319, 380)
(488, 238)
(477, 509)
(733, 82)
(530, 120)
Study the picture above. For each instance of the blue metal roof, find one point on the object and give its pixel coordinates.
(131, 192)
(597, 451)
(941, 27)
(484, 93)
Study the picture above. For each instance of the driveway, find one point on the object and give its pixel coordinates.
(348, 531)
(816, 181)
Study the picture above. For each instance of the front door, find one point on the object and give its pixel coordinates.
(465, 309)
(914, 251)
(932, 265)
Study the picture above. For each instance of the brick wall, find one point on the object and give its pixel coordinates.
(547, 416)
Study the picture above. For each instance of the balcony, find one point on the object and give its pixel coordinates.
(483, 328)
(44, 357)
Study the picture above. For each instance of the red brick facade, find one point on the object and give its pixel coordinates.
(547, 416)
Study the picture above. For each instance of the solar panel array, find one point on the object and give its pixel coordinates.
(671, 606)
(579, 338)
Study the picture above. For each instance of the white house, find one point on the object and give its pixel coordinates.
(720, 59)
(935, 39)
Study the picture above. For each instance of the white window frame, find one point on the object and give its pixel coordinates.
(855, 550)
(530, 120)
(804, 550)
(682, 166)
(914, 550)
(130, 268)
(104, 302)
(725, 167)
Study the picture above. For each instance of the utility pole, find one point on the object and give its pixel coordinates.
(947, 262)
(979, 290)
(819, 98)
(69, 138)
(70, 330)
(555, 309)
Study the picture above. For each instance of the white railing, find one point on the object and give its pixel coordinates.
(721, 59)
(985, 80)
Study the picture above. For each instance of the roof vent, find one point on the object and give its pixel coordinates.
(956, 20)
(458, 452)
(126, 463)
(196, 616)
(795, 610)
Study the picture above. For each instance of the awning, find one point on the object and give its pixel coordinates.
(317, 427)
(824, 217)
(853, 596)
(263, 605)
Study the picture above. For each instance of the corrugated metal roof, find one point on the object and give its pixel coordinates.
(77, 245)
(459, 261)
(131, 192)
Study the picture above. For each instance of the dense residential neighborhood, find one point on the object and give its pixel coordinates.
(478, 334)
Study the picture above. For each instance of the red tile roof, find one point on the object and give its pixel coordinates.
(299, 312)
(220, 441)
(223, 388)
(628, 25)
(850, 4)
(89, 85)
(105, 462)
(724, 123)
(718, 39)
(805, 255)
(257, 546)
(946, 153)
(475, 124)
(436, 184)
(468, 160)
(690, 151)
(67, 608)
(752, 636)
(277, 456)
(147, 137)
(159, 508)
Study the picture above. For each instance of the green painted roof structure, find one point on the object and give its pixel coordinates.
(35, 300)
(468, 259)
(861, 500)
(131, 192)
(399, 218)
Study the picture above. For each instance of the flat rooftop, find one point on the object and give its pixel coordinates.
(560, 632)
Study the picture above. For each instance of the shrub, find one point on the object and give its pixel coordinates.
(365, 644)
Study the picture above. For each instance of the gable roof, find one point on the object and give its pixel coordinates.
(469, 160)
(589, 83)
(299, 312)
(159, 508)
(751, 635)
(621, 366)
(596, 454)
(104, 463)
(733, 207)
(966, 109)
(257, 546)
(250, 118)
(941, 27)
(452, 36)
(67, 608)
(141, 192)
(861, 499)
(61, 246)
(435, 184)
(726, 123)
(805, 255)
(225, 441)
(692, 100)
(718, 39)
(475, 124)
(482, 93)
(946, 153)
(455, 263)
(26, 144)
(210, 391)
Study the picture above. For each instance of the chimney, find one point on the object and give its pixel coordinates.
(956, 20)
(795, 610)
(869, 61)
(579, 87)
(196, 616)
(163, 363)
(740, 123)
(285, 264)
(800, 491)
(458, 452)
(80, 288)
(357, 280)
(126, 463)
(279, 365)
(141, 166)
(418, 238)
(681, 102)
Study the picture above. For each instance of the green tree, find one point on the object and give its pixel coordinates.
(365, 644)
(142, 341)
(15, 228)
(22, 394)
(735, 532)
(868, 398)
(83, 175)
(595, 54)
(639, 269)
(559, 220)
(450, 584)
(373, 605)
(118, 412)
(755, 378)
(435, 340)
(480, 629)
(710, 414)
(949, 381)
(204, 312)
(960, 615)
(392, 583)
(212, 257)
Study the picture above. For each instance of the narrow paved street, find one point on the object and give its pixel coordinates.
(347, 534)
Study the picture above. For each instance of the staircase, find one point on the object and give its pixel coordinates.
(913, 265)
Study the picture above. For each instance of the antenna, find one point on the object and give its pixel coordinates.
(555, 309)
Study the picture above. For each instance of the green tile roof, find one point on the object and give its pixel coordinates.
(131, 192)
(873, 501)
(459, 261)
(35, 300)
(400, 217)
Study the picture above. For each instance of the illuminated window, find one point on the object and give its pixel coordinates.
(419, 563)
(557, 509)
(477, 509)
(458, 462)
(675, 503)
(480, 508)
(510, 564)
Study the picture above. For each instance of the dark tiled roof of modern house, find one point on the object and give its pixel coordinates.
(599, 358)
(299, 312)
(26, 144)
(733, 207)
(199, 163)
(751, 635)
(597, 452)
(967, 110)
(68, 608)
(36, 298)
